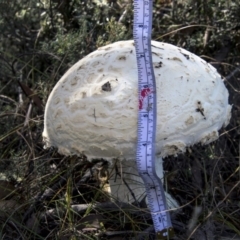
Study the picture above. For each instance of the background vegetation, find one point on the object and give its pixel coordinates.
(39, 41)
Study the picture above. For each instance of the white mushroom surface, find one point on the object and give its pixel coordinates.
(93, 109)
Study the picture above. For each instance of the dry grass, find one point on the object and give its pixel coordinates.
(54, 197)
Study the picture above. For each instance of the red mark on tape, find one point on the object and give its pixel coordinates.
(143, 97)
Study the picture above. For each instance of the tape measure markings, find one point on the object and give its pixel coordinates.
(147, 119)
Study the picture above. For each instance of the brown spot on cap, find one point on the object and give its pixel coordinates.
(106, 87)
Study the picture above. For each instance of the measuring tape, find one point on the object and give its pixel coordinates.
(145, 156)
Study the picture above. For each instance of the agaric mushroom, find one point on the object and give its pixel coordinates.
(93, 109)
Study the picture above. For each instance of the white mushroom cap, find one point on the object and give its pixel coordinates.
(93, 108)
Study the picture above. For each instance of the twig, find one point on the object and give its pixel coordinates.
(123, 15)
(28, 114)
(80, 209)
(7, 99)
(236, 70)
(20, 92)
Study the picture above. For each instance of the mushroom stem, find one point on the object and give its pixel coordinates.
(127, 186)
